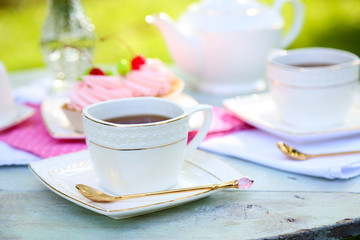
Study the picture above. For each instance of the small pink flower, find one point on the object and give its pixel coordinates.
(245, 183)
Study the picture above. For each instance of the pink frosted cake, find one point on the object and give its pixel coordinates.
(150, 78)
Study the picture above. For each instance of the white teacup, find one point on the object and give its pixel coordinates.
(7, 104)
(133, 158)
(313, 96)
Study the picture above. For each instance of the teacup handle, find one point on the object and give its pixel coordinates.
(200, 135)
(298, 20)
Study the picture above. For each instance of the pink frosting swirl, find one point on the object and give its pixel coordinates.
(95, 88)
(152, 79)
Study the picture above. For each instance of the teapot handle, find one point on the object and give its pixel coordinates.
(298, 20)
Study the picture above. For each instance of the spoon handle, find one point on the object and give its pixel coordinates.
(334, 154)
(98, 196)
(230, 184)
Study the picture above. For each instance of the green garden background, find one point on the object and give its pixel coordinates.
(329, 23)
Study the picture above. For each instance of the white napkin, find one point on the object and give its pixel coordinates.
(32, 93)
(12, 156)
(259, 147)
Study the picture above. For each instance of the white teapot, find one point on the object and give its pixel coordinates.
(224, 43)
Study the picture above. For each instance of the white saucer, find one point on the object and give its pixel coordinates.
(259, 111)
(55, 120)
(59, 126)
(22, 113)
(60, 174)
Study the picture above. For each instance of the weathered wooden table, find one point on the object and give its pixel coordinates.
(280, 205)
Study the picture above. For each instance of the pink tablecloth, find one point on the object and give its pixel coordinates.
(32, 136)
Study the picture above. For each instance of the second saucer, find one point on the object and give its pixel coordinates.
(259, 110)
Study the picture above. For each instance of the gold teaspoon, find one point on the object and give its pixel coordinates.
(297, 155)
(98, 196)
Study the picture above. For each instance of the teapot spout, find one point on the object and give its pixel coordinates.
(183, 46)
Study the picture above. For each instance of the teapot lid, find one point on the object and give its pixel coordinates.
(230, 15)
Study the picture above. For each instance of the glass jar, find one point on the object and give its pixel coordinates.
(67, 42)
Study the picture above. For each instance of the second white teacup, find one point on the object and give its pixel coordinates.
(7, 104)
(140, 157)
(313, 87)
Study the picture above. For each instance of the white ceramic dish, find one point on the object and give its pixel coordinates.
(259, 111)
(246, 31)
(59, 126)
(60, 174)
(22, 113)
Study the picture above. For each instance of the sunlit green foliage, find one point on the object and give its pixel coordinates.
(329, 23)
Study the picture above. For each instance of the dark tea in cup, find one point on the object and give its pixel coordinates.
(137, 119)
